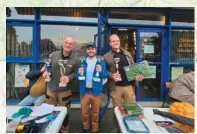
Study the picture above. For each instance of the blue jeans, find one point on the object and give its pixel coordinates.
(29, 100)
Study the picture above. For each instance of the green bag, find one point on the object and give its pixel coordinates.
(141, 68)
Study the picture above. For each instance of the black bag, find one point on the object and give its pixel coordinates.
(177, 118)
(33, 77)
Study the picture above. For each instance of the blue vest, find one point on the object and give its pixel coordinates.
(96, 86)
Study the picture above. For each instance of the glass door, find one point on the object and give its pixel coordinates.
(150, 47)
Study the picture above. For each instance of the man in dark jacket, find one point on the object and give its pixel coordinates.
(120, 87)
(37, 89)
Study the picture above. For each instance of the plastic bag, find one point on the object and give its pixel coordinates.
(141, 68)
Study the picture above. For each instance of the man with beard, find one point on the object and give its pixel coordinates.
(91, 74)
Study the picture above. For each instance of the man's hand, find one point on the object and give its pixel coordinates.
(98, 68)
(139, 77)
(81, 70)
(46, 74)
(64, 79)
(116, 77)
(43, 69)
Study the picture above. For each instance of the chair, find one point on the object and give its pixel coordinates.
(167, 99)
(104, 108)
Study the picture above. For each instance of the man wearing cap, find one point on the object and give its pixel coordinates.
(57, 94)
(91, 74)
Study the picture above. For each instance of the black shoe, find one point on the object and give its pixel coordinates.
(86, 130)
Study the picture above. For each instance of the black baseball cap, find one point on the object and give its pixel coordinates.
(90, 44)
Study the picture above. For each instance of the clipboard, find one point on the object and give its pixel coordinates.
(135, 125)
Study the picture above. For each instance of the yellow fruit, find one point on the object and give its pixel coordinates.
(175, 104)
(183, 109)
(180, 109)
(188, 105)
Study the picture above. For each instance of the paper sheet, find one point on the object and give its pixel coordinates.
(148, 49)
(42, 109)
(176, 72)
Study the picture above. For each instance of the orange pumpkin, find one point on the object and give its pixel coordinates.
(183, 109)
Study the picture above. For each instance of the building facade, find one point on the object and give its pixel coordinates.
(162, 36)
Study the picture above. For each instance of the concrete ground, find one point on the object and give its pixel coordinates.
(107, 124)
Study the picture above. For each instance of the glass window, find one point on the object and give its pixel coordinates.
(40, 65)
(182, 46)
(188, 69)
(52, 41)
(136, 17)
(70, 14)
(150, 45)
(20, 13)
(150, 87)
(183, 18)
(19, 41)
(127, 40)
(13, 92)
(96, 41)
